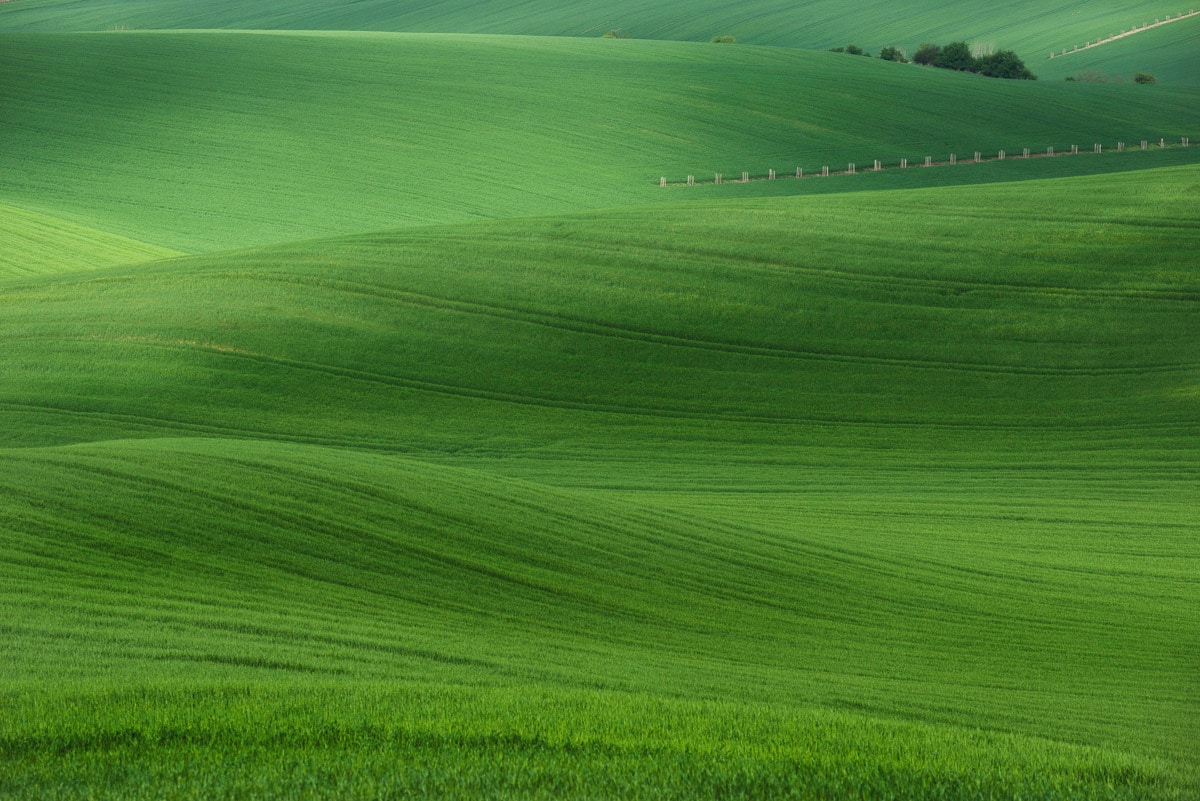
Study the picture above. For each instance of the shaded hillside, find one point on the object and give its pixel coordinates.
(204, 140)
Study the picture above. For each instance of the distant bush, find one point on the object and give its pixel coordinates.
(1004, 64)
(893, 54)
(723, 40)
(1144, 77)
(927, 53)
(837, 50)
(615, 33)
(855, 50)
(956, 56)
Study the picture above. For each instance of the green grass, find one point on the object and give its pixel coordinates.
(202, 141)
(880, 494)
(539, 743)
(1031, 28)
(1171, 53)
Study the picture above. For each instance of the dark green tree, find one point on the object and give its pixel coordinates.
(956, 56)
(927, 53)
(893, 54)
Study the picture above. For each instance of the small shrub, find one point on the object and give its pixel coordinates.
(1144, 77)
(855, 50)
(724, 39)
(837, 50)
(893, 54)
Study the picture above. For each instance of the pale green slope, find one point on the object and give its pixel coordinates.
(32, 244)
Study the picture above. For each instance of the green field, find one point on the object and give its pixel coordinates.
(373, 425)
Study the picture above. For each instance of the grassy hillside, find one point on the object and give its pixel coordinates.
(1026, 26)
(1171, 53)
(200, 141)
(893, 491)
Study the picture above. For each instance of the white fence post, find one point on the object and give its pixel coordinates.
(745, 177)
(1145, 144)
(1050, 151)
(878, 166)
(662, 181)
(953, 159)
(771, 175)
(1120, 147)
(850, 168)
(718, 179)
(1025, 153)
(904, 164)
(1000, 156)
(1074, 148)
(1099, 148)
(824, 172)
(978, 157)
(929, 161)
(691, 180)
(799, 173)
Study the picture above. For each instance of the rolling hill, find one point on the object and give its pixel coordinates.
(204, 141)
(374, 426)
(891, 490)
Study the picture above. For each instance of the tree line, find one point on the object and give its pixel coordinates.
(955, 56)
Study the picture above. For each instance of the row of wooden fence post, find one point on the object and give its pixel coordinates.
(851, 168)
